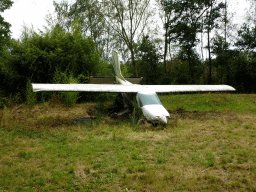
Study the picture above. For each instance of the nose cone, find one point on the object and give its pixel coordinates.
(155, 113)
(163, 119)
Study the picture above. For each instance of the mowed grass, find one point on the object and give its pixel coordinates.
(208, 145)
(211, 102)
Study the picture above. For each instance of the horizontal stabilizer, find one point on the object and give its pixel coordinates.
(129, 88)
(112, 80)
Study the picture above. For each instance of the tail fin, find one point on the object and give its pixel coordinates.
(116, 66)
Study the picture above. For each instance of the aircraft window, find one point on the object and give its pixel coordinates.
(146, 99)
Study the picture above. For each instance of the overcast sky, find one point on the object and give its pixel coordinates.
(33, 12)
(28, 12)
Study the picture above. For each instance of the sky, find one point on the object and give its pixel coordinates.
(33, 12)
(28, 13)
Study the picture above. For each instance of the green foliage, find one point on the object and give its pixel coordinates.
(87, 12)
(185, 26)
(37, 56)
(247, 37)
(213, 14)
(222, 61)
(11, 100)
(125, 71)
(5, 26)
(233, 66)
(30, 95)
(177, 72)
(71, 45)
(149, 62)
(68, 98)
(194, 67)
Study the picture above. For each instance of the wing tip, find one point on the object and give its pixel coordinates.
(230, 88)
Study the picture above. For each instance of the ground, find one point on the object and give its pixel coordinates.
(200, 149)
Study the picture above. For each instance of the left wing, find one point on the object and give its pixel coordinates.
(129, 88)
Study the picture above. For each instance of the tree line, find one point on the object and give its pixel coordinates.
(79, 39)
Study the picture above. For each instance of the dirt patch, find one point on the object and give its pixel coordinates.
(181, 113)
(44, 115)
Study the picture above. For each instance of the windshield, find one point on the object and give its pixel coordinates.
(148, 99)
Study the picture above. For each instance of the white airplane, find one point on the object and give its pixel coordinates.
(142, 96)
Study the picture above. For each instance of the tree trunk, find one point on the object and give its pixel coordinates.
(133, 62)
(165, 48)
(191, 76)
(225, 20)
(210, 60)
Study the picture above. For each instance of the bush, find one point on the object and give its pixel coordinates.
(67, 98)
(11, 100)
(37, 56)
(30, 95)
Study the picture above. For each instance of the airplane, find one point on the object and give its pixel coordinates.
(143, 97)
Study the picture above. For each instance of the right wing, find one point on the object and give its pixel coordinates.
(131, 88)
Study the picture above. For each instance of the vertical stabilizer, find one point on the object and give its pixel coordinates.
(116, 66)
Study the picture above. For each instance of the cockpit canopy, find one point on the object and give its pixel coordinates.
(144, 98)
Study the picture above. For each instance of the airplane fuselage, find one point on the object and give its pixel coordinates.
(147, 101)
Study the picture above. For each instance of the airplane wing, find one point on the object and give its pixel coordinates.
(129, 88)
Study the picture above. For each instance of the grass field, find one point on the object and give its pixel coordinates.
(208, 145)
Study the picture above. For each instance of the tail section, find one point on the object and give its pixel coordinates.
(116, 66)
(118, 75)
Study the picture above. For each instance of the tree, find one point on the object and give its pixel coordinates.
(225, 21)
(247, 38)
(128, 19)
(38, 56)
(186, 24)
(88, 14)
(149, 60)
(4, 26)
(212, 15)
(223, 54)
(247, 67)
(167, 15)
(62, 19)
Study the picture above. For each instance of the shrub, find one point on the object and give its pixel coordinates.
(30, 95)
(67, 98)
